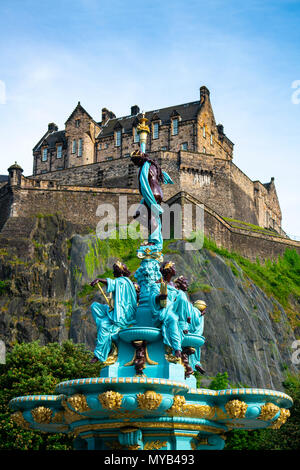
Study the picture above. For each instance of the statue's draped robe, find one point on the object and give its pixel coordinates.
(185, 309)
(167, 318)
(149, 200)
(110, 322)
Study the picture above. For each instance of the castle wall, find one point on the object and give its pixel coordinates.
(78, 205)
(249, 244)
(218, 183)
(6, 201)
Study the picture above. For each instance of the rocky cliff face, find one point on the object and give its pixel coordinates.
(45, 295)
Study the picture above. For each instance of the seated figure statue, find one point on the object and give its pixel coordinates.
(165, 316)
(120, 312)
(190, 318)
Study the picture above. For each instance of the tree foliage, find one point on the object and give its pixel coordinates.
(32, 369)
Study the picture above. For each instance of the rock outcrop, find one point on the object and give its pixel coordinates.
(45, 270)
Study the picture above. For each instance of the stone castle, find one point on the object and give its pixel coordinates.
(88, 163)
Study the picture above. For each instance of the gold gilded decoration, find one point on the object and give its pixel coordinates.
(155, 445)
(18, 418)
(78, 403)
(150, 425)
(268, 411)
(147, 358)
(220, 414)
(113, 356)
(149, 254)
(284, 414)
(142, 126)
(181, 408)
(42, 415)
(70, 415)
(111, 400)
(198, 411)
(149, 400)
(169, 264)
(200, 305)
(170, 357)
(58, 417)
(236, 409)
(163, 291)
(178, 404)
(126, 415)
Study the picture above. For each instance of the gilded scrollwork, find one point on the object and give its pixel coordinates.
(42, 415)
(268, 411)
(177, 406)
(69, 414)
(111, 400)
(155, 445)
(170, 357)
(149, 400)
(236, 409)
(113, 356)
(284, 415)
(58, 417)
(198, 411)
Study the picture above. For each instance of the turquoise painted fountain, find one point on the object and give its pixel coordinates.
(149, 339)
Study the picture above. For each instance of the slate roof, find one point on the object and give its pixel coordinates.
(53, 139)
(187, 111)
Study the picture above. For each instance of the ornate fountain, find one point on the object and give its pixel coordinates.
(149, 339)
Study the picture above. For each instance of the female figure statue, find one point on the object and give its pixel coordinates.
(119, 314)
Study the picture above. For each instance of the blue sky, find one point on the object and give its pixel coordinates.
(116, 54)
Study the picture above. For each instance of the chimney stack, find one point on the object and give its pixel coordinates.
(134, 110)
(204, 92)
(106, 115)
(52, 127)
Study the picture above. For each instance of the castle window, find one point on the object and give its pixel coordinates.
(155, 130)
(211, 139)
(136, 136)
(77, 123)
(44, 155)
(59, 151)
(118, 137)
(184, 146)
(175, 126)
(127, 155)
(204, 131)
(109, 158)
(79, 154)
(74, 146)
(164, 148)
(203, 150)
(99, 146)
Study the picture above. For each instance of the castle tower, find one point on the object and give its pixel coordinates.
(15, 174)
